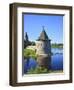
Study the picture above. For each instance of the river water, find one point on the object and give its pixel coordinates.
(56, 61)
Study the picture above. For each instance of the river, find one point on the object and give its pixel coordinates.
(56, 61)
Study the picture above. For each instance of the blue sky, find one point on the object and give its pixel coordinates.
(53, 25)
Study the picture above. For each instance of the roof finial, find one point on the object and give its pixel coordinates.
(43, 27)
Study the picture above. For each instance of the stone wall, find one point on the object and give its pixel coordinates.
(43, 47)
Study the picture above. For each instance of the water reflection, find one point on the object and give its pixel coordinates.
(53, 62)
(44, 61)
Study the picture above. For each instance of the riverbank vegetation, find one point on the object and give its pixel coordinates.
(54, 45)
(37, 70)
(41, 70)
(28, 53)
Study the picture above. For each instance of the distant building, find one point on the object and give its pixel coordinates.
(26, 36)
(43, 45)
(26, 40)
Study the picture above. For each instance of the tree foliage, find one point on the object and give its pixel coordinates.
(37, 70)
(30, 53)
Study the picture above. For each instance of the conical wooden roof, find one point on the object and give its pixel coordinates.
(26, 36)
(43, 36)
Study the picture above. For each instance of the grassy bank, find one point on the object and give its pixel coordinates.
(57, 45)
(30, 53)
(41, 70)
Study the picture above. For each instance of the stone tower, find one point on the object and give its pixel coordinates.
(43, 50)
(43, 44)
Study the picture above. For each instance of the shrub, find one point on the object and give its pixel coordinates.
(30, 53)
(37, 70)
